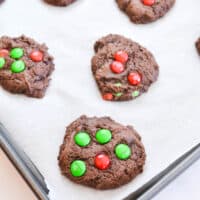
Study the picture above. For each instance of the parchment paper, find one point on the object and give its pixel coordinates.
(167, 117)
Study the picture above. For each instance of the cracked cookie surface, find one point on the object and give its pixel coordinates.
(145, 11)
(122, 68)
(25, 66)
(59, 2)
(198, 45)
(101, 153)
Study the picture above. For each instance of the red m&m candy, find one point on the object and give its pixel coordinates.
(36, 56)
(134, 78)
(102, 161)
(121, 56)
(108, 96)
(148, 2)
(4, 52)
(117, 67)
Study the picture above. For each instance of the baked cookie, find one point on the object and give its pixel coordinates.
(198, 45)
(101, 153)
(25, 66)
(59, 2)
(145, 11)
(122, 68)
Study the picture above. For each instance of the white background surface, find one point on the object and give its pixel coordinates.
(167, 117)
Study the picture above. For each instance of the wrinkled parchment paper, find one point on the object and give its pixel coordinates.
(167, 117)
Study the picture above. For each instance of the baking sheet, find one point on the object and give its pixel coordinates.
(167, 117)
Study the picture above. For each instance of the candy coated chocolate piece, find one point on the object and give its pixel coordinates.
(134, 78)
(2, 62)
(18, 66)
(102, 161)
(119, 94)
(117, 67)
(148, 2)
(103, 136)
(82, 139)
(121, 56)
(78, 168)
(36, 56)
(122, 151)
(108, 96)
(118, 84)
(4, 53)
(136, 93)
(16, 53)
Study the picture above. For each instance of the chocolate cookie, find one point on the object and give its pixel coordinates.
(145, 11)
(101, 153)
(25, 66)
(122, 68)
(198, 45)
(59, 2)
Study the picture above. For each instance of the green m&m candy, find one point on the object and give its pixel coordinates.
(78, 168)
(136, 93)
(103, 136)
(16, 53)
(82, 139)
(122, 151)
(118, 84)
(2, 62)
(18, 66)
(119, 94)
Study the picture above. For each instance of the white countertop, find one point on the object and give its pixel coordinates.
(12, 185)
